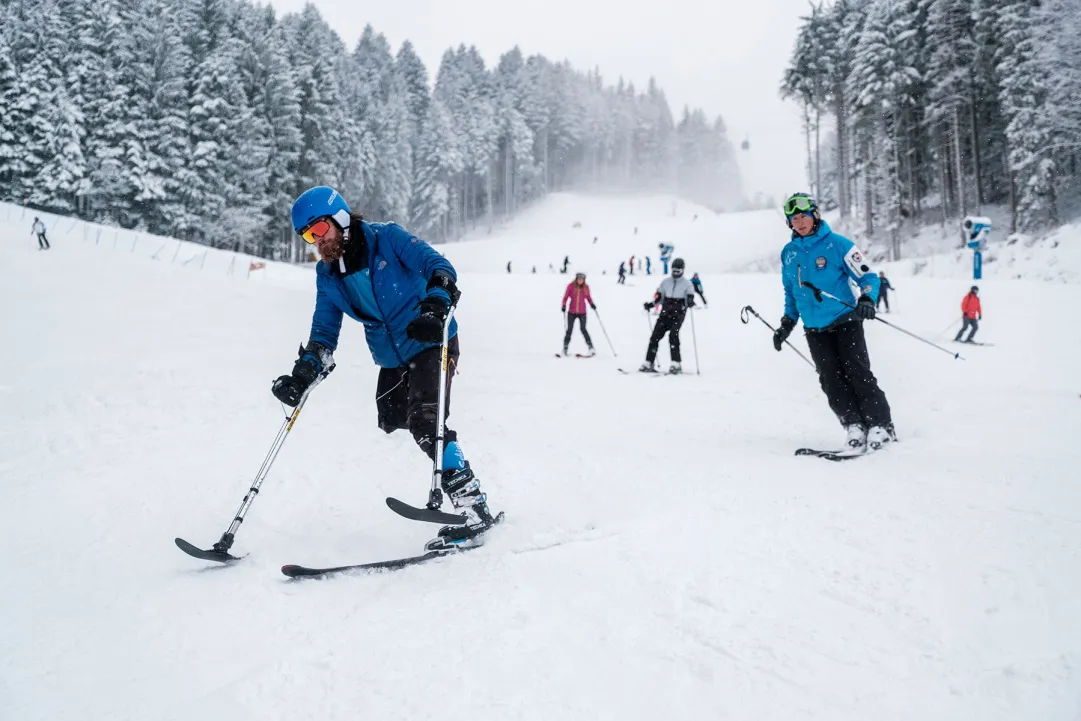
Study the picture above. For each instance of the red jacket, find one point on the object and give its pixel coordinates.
(578, 295)
(970, 306)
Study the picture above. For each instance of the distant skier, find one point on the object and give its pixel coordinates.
(697, 283)
(508, 266)
(400, 289)
(817, 255)
(666, 254)
(566, 262)
(649, 266)
(675, 295)
(577, 294)
(622, 273)
(38, 228)
(884, 289)
(971, 314)
(632, 265)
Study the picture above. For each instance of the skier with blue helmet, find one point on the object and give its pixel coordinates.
(400, 289)
(816, 258)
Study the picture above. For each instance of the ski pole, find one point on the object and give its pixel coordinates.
(614, 354)
(694, 343)
(819, 294)
(752, 311)
(435, 496)
(220, 550)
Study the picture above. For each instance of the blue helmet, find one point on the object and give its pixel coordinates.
(319, 202)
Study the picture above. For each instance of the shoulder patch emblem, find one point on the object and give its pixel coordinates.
(866, 290)
(820, 261)
(857, 257)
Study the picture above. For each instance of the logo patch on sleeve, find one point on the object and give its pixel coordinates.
(856, 256)
(866, 290)
(820, 261)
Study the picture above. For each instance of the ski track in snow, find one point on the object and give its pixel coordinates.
(664, 554)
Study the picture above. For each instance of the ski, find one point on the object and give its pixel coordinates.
(295, 571)
(206, 555)
(830, 455)
(424, 514)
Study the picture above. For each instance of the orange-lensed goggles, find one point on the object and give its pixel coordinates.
(316, 230)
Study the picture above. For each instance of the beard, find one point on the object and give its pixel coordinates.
(331, 250)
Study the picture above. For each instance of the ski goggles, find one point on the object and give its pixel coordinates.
(798, 204)
(315, 230)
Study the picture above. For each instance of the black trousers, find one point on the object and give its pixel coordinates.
(43, 242)
(408, 396)
(581, 318)
(844, 371)
(883, 297)
(966, 323)
(669, 322)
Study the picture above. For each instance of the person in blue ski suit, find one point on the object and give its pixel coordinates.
(666, 254)
(400, 290)
(818, 257)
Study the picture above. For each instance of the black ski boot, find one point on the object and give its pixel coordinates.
(464, 491)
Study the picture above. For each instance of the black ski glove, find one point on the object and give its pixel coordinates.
(690, 301)
(865, 307)
(781, 334)
(593, 307)
(648, 305)
(427, 327)
(288, 389)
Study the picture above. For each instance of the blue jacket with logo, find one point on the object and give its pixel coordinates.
(383, 296)
(828, 261)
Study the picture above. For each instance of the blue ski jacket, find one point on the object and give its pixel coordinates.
(828, 261)
(383, 296)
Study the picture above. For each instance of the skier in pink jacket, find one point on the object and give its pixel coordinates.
(578, 294)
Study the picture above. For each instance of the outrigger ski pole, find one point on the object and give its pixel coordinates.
(431, 512)
(220, 550)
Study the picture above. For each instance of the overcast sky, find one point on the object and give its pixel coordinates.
(725, 56)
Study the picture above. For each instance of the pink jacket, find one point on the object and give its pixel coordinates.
(578, 296)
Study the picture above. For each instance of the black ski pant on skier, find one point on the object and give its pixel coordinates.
(965, 325)
(408, 397)
(581, 318)
(673, 313)
(844, 371)
(43, 242)
(883, 297)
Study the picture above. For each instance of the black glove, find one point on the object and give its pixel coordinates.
(690, 301)
(562, 310)
(865, 307)
(593, 307)
(781, 334)
(648, 305)
(288, 389)
(427, 327)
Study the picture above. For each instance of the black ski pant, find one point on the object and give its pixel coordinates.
(408, 396)
(844, 371)
(669, 322)
(581, 318)
(43, 242)
(883, 297)
(967, 322)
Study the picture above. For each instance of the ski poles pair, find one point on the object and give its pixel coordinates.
(694, 338)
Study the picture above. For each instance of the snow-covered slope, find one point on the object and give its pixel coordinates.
(545, 233)
(665, 555)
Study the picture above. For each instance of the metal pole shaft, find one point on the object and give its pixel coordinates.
(694, 342)
(435, 495)
(794, 349)
(614, 354)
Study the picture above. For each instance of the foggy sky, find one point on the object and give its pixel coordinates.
(726, 57)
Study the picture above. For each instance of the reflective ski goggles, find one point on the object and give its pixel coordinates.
(798, 204)
(316, 230)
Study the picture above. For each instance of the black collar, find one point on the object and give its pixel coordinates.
(356, 250)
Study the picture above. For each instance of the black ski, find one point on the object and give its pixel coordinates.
(210, 555)
(830, 455)
(294, 571)
(424, 514)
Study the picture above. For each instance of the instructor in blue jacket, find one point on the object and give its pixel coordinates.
(818, 257)
(400, 289)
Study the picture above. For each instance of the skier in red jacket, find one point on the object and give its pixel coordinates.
(971, 313)
(577, 294)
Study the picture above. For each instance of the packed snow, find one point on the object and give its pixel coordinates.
(664, 555)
